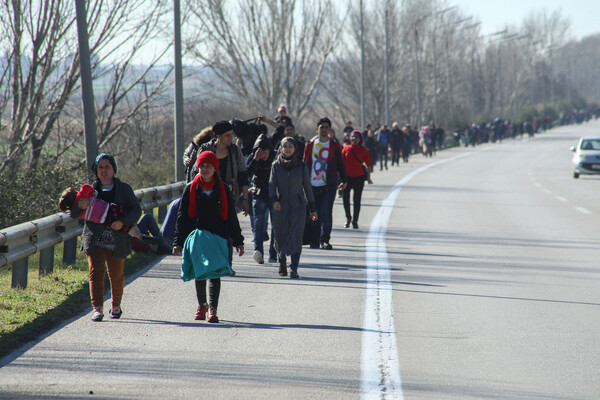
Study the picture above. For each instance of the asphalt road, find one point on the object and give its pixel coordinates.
(474, 275)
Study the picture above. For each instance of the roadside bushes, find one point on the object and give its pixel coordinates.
(30, 194)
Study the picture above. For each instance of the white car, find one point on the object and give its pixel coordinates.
(586, 156)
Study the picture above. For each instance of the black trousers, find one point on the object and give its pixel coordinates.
(356, 185)
(214, 289)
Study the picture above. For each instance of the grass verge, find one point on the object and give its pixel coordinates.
(48, 301)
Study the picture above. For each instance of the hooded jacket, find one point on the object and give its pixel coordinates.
(260, 170)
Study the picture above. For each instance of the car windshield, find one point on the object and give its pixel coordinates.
(590, 144)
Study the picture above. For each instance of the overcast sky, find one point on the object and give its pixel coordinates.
(494, 14)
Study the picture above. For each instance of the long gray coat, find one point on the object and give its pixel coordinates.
(292, 189)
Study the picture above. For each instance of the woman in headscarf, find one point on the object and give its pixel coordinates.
(290, 191)
(106, 246)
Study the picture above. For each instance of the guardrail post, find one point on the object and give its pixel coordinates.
(46, 261)
(20, 268)
(162, 213)
(70, 251)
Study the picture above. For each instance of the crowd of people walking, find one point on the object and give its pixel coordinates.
(284, 178)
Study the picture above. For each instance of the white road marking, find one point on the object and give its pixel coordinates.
(560, 198)
(380, 368)
(583, 210)
(548, 191)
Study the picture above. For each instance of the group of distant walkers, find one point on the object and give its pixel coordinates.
(280, 177)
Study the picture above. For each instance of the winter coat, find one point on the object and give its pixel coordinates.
(208, 217)
(123, 195)
(292, 189)
(236, 176)
(354, 165)
(260, 170)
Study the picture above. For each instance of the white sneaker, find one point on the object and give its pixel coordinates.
(258, 257)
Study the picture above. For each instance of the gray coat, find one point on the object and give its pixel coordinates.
(292, 189)
(124, 196)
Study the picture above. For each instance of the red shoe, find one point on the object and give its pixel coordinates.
(212, 316)
(201, 312)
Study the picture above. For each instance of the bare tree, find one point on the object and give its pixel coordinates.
(265, 52)
(43, 71)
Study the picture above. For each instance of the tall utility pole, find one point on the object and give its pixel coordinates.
(419, 95)
(179, 171)
(362, 68)
(87, 89)
(448, 72)
(475, 25)
(387, 66)
(500, 81)
(487, 69)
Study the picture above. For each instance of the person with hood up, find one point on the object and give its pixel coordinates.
(258, 165)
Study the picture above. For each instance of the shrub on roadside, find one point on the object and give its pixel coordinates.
(31, 194)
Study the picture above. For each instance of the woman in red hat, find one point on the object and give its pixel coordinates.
(207, 204)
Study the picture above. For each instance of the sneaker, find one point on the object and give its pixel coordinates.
(98, 314)
(232, 272)
(314, 245)
(272, 260)
(149, 239)
(326, 246)
(258, 257)
(201, 312)
(354, 225)
(265, 237)
(115, 312)
(212, 316)
(294, 274)
(347, 224)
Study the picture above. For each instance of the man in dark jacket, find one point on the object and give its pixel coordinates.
(258, 164)
(323, 156)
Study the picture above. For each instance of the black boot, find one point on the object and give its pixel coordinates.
(294, 273)
(282, 268)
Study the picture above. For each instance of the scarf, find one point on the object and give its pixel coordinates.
(198, 182)
(207, 157)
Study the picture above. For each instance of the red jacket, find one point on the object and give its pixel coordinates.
(354, 168)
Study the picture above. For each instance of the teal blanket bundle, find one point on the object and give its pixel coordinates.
(205, 256)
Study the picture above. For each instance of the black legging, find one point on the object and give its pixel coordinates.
(214, 289)
(357, 184)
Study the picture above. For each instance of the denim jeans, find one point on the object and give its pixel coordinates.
(321, 228)
(147, 224)
(383, 157)
(168, 228)
(261, 208)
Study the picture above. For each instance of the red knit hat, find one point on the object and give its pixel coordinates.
(207, 157)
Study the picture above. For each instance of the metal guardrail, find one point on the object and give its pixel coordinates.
(19, 242)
